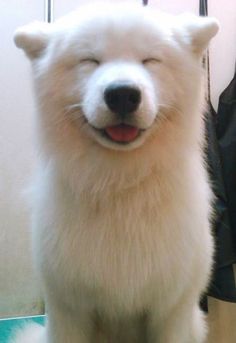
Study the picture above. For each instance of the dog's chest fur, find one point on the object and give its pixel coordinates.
(118, 248)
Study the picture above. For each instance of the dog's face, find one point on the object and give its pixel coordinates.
(114, 71)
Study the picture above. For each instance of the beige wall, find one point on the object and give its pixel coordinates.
(19, 292)
(18, 288)
(223, 47)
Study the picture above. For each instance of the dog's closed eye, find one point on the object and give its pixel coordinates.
(151, 60)
(90, 60)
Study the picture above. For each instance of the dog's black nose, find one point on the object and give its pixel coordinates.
(122, 99)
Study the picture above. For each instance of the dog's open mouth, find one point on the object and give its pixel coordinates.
(122, 133)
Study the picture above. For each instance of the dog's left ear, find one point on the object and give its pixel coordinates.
(198, 31)
(33, 38)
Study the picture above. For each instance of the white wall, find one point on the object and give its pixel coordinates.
(223, 47)
(18, 288)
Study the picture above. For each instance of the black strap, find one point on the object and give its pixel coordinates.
(203, 11)
(49, 11)
(145, 2)
(203, 8)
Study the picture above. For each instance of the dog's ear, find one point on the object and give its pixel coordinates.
(198, 31)
(32, 38)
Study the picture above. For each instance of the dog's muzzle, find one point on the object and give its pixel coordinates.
(123, 100)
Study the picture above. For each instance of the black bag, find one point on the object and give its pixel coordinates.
(223, 286)
(226, 134)
(221, 156)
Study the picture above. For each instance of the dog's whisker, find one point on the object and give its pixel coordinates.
(167, 107)
(74, 106)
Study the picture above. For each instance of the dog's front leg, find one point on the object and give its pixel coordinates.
(66, 326)
(184, 325)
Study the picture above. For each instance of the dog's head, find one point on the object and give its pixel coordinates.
(112, 72)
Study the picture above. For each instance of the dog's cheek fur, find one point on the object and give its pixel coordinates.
(60, 128)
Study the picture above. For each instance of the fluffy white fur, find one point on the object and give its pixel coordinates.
(33, 333)
(121, 235)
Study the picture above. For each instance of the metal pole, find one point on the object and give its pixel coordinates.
(48, 4)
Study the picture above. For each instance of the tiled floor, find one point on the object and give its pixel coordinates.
(8, 325)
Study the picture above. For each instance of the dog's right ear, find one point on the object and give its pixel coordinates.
(196, 32)
(32, 38)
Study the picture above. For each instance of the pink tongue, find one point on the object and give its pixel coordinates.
(122, 133)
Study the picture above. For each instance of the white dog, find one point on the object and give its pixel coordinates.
(122, 207)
